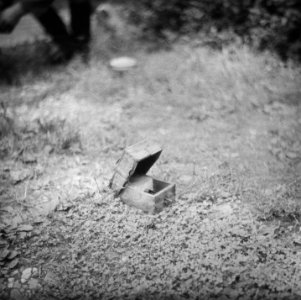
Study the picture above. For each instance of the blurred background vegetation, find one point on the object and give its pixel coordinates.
(264, 24)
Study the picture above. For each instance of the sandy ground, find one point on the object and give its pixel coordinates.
(229, 123)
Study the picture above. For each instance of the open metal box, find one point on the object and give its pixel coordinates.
(134, 187)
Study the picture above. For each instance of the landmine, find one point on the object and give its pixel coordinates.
(132, 184)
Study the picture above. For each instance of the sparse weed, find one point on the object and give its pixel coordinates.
(59, 135)
(278, 203)
(69, 139)
(6, 122)
(53, 135)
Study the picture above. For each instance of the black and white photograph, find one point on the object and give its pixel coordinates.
(150, 149)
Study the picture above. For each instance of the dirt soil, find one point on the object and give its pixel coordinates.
(230, 126)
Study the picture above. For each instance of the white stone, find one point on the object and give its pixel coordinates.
(26, 274)
(185, 179)
(223, 210)
(10, 283)
(123, 63)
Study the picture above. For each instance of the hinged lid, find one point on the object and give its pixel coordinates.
(135, 160)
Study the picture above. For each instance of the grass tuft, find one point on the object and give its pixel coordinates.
(52, 135)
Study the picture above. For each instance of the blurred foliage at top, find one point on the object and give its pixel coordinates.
(267, 24)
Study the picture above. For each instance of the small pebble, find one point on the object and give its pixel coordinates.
(185, 179)
(16, 295)
(33, 284)
(26, 274)
(10, 283)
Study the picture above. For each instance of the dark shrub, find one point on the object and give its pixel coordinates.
(272, 24)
